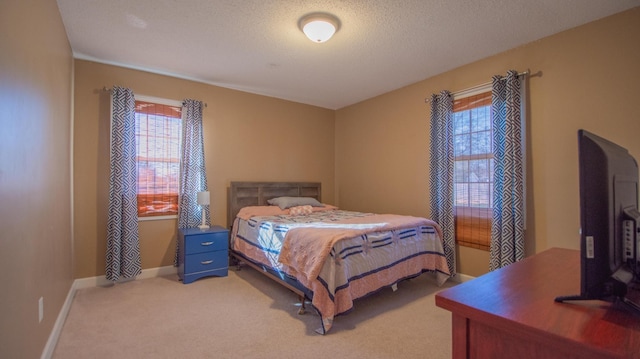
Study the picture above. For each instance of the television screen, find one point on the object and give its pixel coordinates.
(609, 218)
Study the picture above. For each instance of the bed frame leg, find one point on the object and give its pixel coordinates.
(302, 309)
(233, 261)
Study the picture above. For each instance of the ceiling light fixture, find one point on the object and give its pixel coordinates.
(319, 26)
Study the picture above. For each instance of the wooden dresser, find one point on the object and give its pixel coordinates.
(511, 313)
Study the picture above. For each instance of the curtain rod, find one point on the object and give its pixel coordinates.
(458, 93)
(106, 89)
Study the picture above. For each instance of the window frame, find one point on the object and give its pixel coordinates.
(479, 216)
(167, 102)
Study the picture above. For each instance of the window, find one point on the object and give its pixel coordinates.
(473, 170)
(158, 137)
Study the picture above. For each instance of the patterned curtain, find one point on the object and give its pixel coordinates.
(123, 247)
(507, 232)
(441, 175)
(193, 177)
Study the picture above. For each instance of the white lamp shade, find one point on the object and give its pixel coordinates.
(319, 27)
(203, 198)
(319, 31)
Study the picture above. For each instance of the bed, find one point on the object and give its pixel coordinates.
(325, 254)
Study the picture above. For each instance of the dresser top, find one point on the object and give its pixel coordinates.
(519, 298)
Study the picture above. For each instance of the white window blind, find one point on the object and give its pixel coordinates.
(473, 168)
(158, 137)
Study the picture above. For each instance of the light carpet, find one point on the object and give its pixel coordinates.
(247, 315)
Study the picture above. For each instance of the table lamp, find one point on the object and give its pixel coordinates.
(203, 201)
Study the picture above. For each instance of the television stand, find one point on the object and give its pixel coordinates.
(629, 302)
(564, 298)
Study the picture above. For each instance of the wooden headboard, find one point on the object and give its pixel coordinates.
(242, 194)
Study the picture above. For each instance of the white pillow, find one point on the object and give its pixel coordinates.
(288, 202)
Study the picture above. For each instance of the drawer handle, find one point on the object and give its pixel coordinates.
(206, 243)
(206, 262)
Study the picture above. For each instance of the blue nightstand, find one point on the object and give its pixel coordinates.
(202, 253)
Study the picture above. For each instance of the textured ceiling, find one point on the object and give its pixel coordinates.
(256, 46)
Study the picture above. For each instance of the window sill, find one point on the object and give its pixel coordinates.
(157, 218)
(481, 247)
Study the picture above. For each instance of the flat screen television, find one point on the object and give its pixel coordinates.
(609, 219)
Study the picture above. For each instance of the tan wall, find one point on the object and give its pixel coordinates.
(35, 173)
(589, 80)
(247, 138)
(381, 149)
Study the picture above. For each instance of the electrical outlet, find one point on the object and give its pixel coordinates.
(40, 309)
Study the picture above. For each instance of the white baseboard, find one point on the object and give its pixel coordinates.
(461, 278)
(57, 327)
(100, 281)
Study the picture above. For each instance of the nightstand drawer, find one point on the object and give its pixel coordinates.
(206, 261)
(206, 242)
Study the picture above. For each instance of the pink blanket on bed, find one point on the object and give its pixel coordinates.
(306, 246)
